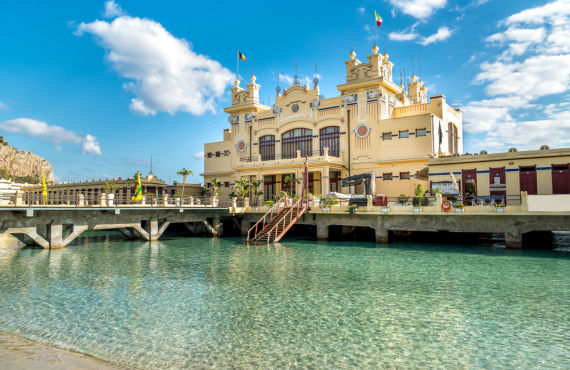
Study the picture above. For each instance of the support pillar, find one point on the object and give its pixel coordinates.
(322, 231)
(325, 180)
(217, 226)
(381, 234)
(513, 239)
(245, 226)
(55, 236)
(152, 229)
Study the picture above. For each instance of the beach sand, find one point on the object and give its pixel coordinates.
(19, 353)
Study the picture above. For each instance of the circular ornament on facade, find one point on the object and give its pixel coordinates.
(241, 145)
(362, 130)
(295, 108)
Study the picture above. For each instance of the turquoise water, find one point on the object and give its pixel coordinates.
(195, 302)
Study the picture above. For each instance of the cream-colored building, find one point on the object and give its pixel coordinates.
(373, 125)
(500, 175)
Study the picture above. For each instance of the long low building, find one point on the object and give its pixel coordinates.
(537, 172)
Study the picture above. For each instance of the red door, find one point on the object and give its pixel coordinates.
(497, 181)
(469, 188)
(528, 180)
(560, 179)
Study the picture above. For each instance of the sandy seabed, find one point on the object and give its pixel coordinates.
(19, 353)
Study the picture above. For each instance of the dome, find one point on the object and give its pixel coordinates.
(483, 152)
(513, 149)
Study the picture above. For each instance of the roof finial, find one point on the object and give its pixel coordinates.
(277, 89)
(296, 82)
(316, 78)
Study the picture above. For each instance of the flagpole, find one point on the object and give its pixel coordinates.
(237, 65)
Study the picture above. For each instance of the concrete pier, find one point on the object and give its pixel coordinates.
(57, 227)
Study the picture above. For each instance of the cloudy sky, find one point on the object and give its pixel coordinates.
(99, 87)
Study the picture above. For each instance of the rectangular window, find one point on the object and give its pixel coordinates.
(227, 153)
(404, 134)
(218, 154)
(209, 155)
(387, 176)
(209, 184)
(387, 136)
(404, 175)
(227, 184)
(421, 132)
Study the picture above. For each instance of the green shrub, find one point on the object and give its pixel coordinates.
(403, 199)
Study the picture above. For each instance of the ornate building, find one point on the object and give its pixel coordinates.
(374, 125)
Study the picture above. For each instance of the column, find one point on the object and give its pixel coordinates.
(513, 238)
(325, 181)
(152, 229)
(381, 234)
(217, 226)
(55, 236)
(322, 231)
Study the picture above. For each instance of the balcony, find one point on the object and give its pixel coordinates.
(315, 156)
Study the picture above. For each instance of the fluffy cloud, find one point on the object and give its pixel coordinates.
(442, 34)
(112, 9)
(420, 9)
(3, 106)
(533, 64)
(403, 36)
(164, 73)
(199, 155)
(55, 135)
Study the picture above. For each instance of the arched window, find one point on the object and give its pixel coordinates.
(329, 138)
(297, 139)
(267, 147)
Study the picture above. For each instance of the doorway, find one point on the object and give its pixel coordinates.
(528, 180)
(469, 180)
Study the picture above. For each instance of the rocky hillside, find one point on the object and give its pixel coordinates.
(22, 166)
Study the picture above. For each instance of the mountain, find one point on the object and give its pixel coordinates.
(21, 166)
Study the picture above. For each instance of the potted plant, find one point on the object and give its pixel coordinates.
(216, 194)
(269, 203)
(403, 199)
(500, 208)
(352, 209)
(419, 199)
(327, 203)
(459, 207)
(177, 200)
(110, 188)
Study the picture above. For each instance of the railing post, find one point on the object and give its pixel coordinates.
(19, 199)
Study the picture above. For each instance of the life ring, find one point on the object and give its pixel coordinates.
(446, 205)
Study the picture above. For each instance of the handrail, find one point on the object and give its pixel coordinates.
(283, 220)
(271, 210)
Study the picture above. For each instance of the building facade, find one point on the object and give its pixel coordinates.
(537, 172)
(373, 125)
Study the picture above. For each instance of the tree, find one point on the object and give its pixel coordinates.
(254, 189)
(3, 141)
(241, 187)
(290, 179)
(184, 173)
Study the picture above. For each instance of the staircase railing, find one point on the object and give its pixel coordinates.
(286, 221)
(267, 217)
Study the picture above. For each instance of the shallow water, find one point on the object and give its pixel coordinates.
(194, 302)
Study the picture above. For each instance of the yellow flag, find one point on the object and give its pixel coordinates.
(138, 189)
(44, 189)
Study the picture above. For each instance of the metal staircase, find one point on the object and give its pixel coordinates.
(273, 225)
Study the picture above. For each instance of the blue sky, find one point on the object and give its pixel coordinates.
(97, 87)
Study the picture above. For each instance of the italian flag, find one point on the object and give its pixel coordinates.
(378, 18)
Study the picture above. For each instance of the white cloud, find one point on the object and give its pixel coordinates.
(165, 73)
(112, 9)
(420, 9)
(532, 63)
(442, 34)
(361, 9)
(286, 78)
(199, 155)
(55, 135)
(403, 36)
(4, 106)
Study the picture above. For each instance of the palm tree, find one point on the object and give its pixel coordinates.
(184, 173)
(215, 186)
(241, 187)
(254, 189)
(290, 179)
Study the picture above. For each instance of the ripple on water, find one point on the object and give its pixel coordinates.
(215, 303)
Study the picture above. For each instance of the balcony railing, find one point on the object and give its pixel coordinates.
(314, 153)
